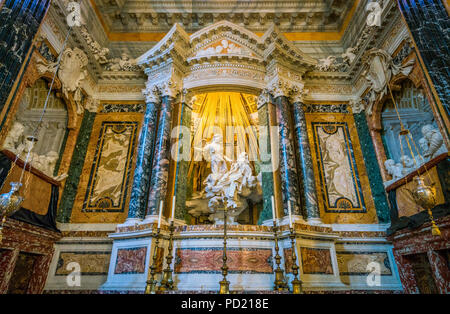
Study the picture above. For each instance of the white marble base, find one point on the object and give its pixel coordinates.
(209, 238)
(82, 246)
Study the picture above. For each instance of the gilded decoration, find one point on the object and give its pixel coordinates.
(104, 189)
(406, 205)
(36, 192)
(344, 192)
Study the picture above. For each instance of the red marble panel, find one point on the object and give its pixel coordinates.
(439, 266)
(39, 276)
(8, 260)
(209, 260)
(409, 242)
(130, 261)
(288, 260)
(406, 274)
(316, 261)
(20, 237)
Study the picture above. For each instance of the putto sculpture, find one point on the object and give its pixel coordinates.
(13, 138)
(393, 169)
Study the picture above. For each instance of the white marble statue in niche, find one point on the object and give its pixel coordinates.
(425, 140)
(230, 189)
(50, 134)
(431, 146)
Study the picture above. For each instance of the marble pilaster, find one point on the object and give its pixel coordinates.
(428, 24)
(20, 23)
(76, 168)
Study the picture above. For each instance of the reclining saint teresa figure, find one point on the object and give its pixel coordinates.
(225, 189)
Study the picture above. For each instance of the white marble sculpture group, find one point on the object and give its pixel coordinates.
(431, 145)
(16, 144)
(225, 189)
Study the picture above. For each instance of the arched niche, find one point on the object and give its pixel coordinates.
(54, 124)
(415, 112)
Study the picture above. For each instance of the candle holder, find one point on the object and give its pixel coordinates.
(296, 283)
(151, 282)
(167, 282)
(224, 283)
(280, 283)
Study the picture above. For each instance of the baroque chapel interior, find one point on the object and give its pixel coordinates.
(187, 146)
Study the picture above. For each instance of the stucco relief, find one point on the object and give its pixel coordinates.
(72, 71)
(380, 70)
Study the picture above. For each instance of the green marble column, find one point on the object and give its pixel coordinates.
(181, 179)
(265, 162)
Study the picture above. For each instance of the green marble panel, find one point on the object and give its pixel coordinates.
(76, 167)
(373, 170)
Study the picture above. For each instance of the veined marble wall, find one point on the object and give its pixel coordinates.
(344, 193)
(104, 188)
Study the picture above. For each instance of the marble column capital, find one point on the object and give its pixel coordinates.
(189, 97)
(279, 87)
(263, 98)
(298, 93)
(358, 105)
(171, 87)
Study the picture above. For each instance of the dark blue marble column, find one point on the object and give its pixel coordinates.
(143, 170)
(308, 183)
(19, 23)
(161, 157)
(429, 23)
(288, 168)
